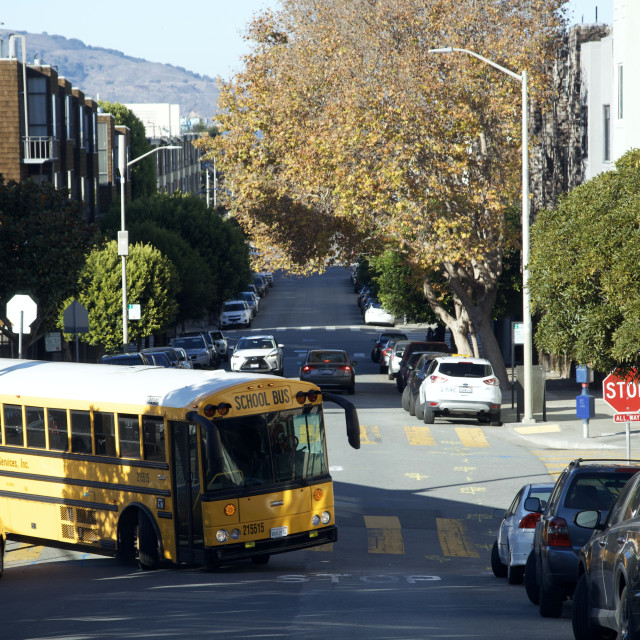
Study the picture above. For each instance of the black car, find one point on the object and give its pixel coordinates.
(329, 368)
(604, 602)
(414, 380)
(551, 571)
(125, 359)
(170, 353)
(382, 339)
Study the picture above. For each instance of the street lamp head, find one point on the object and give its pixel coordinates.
(443, 50)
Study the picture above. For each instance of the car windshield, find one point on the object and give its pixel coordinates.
(596, 490)
(465, 369)
(195, 342)
(252, 451)
(255, 343)
(327, 357)
(234, 306)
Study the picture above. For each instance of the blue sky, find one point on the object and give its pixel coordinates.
(202, 35)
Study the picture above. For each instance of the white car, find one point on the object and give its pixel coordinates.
(222, 346)
(461, 386)
(235, 313)
(395, 357)
(259, 354)
(185, 363)
(514, 541)
(375, 314)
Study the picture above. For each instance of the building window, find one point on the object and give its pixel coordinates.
(103, 156)
(584, 123)
(606, 133)
(620, 93)
(37, 106)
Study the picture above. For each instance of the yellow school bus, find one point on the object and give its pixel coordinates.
(164, 465)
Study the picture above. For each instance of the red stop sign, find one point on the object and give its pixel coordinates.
(622, 394)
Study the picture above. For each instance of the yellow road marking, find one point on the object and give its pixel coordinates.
(472, 437)
(453, 538)
(23, 555)
(384, 534)
(419, 436)
(548, 428)
(375, 434)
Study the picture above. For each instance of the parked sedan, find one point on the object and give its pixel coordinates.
(515, 534)
(125, 359)
(329, 368)
(235, 313)
(605, 601)
(376, 314)
(196, 348)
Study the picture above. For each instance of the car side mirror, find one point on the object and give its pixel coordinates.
(587, 519)
(533, 505)
(280, 346)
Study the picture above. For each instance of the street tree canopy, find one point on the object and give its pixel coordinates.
(44, 237)
(344, 136)
(151, 282)
(585, 271)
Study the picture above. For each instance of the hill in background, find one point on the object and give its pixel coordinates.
(106, 74)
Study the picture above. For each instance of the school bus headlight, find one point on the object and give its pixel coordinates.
(317, 495)
(222, 535)
(315, 521)
(301, 396)
(235, 534)
(325, 517)
(229, 509)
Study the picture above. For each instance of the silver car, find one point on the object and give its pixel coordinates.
(196, 348)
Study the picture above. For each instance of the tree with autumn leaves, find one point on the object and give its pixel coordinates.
(345, 136)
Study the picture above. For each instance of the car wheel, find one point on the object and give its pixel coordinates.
(495, 421)
(352, 389)
(412, 404)
(531, 580)
(429, 416)
(515, 573)
(622, 615)
(405, 400)
(419, 410)
(390, 375)
(550, 603)
(375, 356)
(499, 569)
(584, 626)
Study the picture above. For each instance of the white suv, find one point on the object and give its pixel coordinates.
(260, 354)
(235, 312)
(460, 386)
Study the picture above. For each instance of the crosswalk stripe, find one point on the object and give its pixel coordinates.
(420, 436)
(384, 534)
(453, 539)
(472, 437)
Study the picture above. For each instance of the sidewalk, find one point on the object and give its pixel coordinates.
(563, 430)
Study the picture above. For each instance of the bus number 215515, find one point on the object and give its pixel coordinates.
(253, 528)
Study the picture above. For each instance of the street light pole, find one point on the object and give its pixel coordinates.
(123, 234)
(526, 297)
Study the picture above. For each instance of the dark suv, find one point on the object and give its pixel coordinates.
(551, 571)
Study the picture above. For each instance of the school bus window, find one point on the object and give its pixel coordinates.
(105, 433)
(35, 428)
(13, 430)
(58, 434)
(153, 438)
(129, 434)
(80, 431)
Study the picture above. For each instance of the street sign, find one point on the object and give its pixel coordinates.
(517, 329)
(76, 318)
(626, 417)
(21, 312)
(622, 394)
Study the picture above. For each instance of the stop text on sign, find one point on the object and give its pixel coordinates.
(622, 394)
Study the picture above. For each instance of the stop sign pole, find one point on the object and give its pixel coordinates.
(623, 396)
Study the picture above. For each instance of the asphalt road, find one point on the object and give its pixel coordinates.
(416, 511)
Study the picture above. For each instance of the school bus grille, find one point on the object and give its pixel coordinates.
(70, 526)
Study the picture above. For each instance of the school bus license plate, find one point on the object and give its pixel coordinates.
(278, 532)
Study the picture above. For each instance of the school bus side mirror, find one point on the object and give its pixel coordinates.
(351, 416)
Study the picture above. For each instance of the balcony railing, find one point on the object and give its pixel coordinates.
(39, 149)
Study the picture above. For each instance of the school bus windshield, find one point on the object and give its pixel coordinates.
(252, 451)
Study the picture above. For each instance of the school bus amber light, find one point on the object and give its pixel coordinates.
(229, 509)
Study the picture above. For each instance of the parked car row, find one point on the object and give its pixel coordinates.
(241, 311)
(580, 537)
(191, 350)
(372, 310)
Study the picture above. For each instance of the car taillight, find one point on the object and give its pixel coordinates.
(386, 352)
(556, 533)
(307, 368)
(494, 382)
(437, 379)
(346, 368)
(529, 521)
